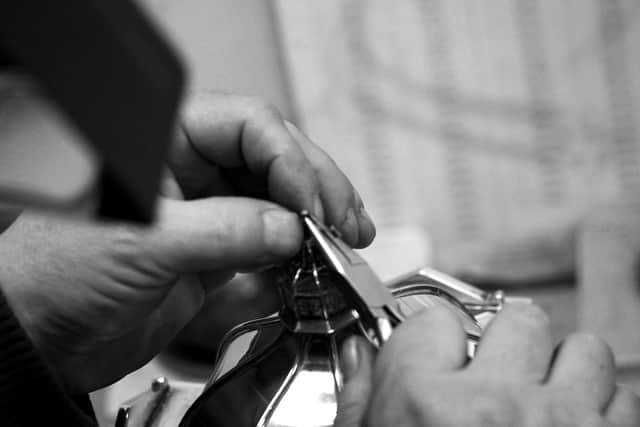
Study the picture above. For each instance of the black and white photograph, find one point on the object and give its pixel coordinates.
(320, 213)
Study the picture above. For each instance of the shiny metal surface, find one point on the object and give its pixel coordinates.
(228, 357)
(293, 381)
(368, 293)
(162, 405)
(283, 370)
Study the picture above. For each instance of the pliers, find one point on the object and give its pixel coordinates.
(379, 311)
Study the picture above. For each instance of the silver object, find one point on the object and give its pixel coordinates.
(283, 370)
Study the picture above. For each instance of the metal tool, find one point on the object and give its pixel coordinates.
(377, 307)
(283, 370)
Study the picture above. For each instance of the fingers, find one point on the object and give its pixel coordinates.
(222, 234)
(343, 205)
(138, 345)
(516, 345)
(427, 346)
(180, 305)
(196, 176)
(231, 133)
(624, 409)
(585, 365)
(433, 340)
(356, 362)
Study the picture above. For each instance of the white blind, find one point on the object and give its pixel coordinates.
(495, 125)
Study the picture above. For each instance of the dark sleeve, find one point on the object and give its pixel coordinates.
(29, 394)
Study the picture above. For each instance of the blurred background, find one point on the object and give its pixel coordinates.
(496, 141)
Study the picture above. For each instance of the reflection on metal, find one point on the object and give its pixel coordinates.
(163, 404)
(284, 371)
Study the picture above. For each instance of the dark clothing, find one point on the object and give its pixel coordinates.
(29, 393)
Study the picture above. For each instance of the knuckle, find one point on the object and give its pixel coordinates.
(434, 334)
(595, 346)
(257, 106)
(626, 407)
(530, 315)
(125, 242)
(435, 315)
(494, 409)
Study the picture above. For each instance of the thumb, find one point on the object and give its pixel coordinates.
(223, 233)
(356, 361)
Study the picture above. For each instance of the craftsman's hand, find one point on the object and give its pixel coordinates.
(420, 378)
(236, 145)
(100, 300)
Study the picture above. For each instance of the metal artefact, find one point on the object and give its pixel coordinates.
(283, 370)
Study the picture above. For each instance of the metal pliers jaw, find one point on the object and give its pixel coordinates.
(377, 303)
(323, 304)
(378, 310)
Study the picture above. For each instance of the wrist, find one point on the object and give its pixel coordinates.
(26, 319)
(26, 378)
(27, 307)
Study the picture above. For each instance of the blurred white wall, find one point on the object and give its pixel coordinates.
(228, 45)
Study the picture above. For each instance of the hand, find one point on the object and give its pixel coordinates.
(237, 145)
(246, 297)
(420, 377)
(100, 300)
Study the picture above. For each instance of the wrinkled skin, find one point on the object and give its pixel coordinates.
(421, 378)
(98, 301)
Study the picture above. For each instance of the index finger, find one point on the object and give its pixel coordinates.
(516, 345)
(231, 131)
(585, 364)
(432, 340)
(342, 204)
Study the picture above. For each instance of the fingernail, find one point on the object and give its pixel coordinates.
(350, 359)
(359, 203)
(367, 227)
(318, 210)
(281, 231)
(364, 214)
(349, 227)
